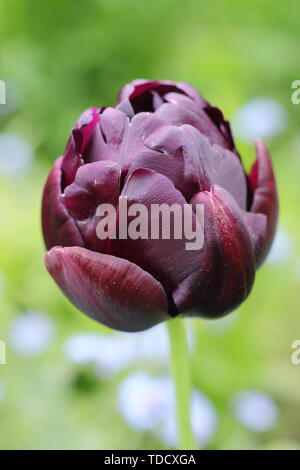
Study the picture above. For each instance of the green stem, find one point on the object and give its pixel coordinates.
(181, 372)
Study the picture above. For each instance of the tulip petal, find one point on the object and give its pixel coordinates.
(265, 199)
(169, 164)
(257, 225)
(167, 259)
(83, 137)
(86, 124)
(227, 270)
(217, 118)
(141, 86)
(197, 164)
(124, 137)
(119, 138)
(189, 107)
(139, 92)
(111, 290)
(58, 226)
(108, 135)
(179, 115)
(208, 119)
(95, 183)
(141, 126)
(72, 160)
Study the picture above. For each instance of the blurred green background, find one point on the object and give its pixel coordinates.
(58, 58)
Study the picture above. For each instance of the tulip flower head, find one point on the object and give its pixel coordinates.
(162, 145)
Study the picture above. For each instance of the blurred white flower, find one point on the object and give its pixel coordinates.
(112, 353)
(108, 353)
(148, 403)
(1, 391)
(16, 155)
(203, 417)
(83, 348)
(145, 402)
(282, 248)
(152, 343)
(31, 333)
(255, 410)
(261, 117)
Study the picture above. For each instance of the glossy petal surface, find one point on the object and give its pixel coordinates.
(265, 198)
(227, 269)
(166, 259)
(59, 228)
(111, 290)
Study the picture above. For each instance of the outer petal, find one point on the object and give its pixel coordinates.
(265, 200)
(58, 226)
(167, 259)
(111, 290)
(227, 270)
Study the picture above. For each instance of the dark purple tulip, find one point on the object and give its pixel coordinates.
(162, 143)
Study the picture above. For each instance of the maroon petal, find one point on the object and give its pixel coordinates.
(114, 125)
(265, 199)
(86, 124)
(196, 163)
(141, 86)
(140, 127)
(72, 160)
(189, 107)
(217, 118)
(140, 93)
(227, 268)
(120, 139)
(111, 290)
(58, 226)
(179, 115)
(169, 164)
(193, 93)
(108, 136)
(96, 183)
(81, 143)
(257, 225)
(167, 260)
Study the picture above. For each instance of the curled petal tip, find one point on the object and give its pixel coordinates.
(264, 197)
